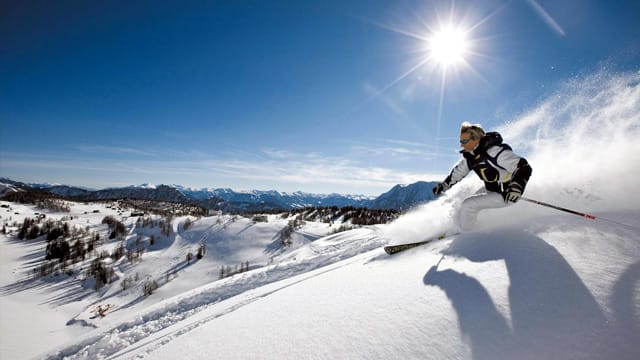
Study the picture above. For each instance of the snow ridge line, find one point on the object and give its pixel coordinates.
(113, 341)
(164, 339)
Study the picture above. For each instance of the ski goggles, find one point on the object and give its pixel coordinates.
(465, 141)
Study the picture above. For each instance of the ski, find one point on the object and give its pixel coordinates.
(393, 249)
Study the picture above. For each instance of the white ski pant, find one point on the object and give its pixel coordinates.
(470, 207)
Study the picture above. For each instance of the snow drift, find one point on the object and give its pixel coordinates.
(583, 140)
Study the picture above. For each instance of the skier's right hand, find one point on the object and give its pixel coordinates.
(439, 188)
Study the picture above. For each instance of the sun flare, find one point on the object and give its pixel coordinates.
(448, 46)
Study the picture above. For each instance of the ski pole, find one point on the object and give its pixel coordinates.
(588, 216)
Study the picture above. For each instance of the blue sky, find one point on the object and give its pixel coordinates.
(318, 96)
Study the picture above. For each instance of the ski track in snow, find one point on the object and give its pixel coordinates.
(156, 328)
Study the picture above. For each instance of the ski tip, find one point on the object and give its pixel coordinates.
(392, 249)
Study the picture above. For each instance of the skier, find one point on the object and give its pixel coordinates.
(504, 173)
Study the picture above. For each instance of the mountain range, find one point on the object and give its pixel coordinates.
(400, 197)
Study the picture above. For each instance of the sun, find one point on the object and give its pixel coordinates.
(448, 46)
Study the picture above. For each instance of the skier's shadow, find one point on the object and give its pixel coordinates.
(553, 314)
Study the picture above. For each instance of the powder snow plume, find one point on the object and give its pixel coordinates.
(583, 143)
(584, 139)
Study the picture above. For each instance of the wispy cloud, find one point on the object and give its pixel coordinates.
(395, 152)
(355, 168)
(314, 169)
(114, 150)
(401, 149)
(274, 169)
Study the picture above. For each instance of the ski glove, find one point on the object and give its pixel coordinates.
(513, 193)
(439, 188)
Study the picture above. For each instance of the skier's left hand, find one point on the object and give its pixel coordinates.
(513, 193)
(440, 188)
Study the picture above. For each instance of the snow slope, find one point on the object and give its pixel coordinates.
(561, 288)
(530, 282)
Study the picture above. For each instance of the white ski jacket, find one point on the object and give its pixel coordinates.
(494, 162)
